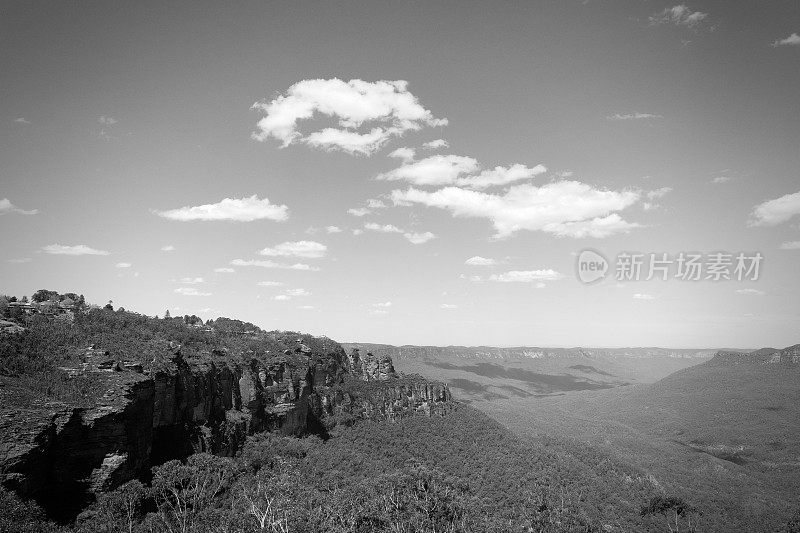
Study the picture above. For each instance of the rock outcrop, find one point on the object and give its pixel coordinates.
(63, 455)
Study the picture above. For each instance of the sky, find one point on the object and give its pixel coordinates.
(410, 172)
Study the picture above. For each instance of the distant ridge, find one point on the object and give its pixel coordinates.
(789, 355)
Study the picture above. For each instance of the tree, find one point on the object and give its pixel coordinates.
(109, 306)
(3, 306)
(44, 295)
(674, 510)
(24, 299)
(167, 315)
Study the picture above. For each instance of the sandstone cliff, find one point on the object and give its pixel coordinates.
(63, 455)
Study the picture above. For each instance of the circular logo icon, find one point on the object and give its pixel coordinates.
(591, 266)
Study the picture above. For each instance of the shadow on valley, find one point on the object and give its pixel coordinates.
(540, 383)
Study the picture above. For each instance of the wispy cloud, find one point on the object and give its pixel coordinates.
(297, 292)
(404, 153)
(230, 209)
(359, 211)
(750, 292)
(273, 264)
(333, 229)
(123, 265)
(7, 207)
(792, 40)
(679, 15)
(22, 120)
(459, 170)
(190, 291)
(633, 116)
(19, 260)
(526, 276)
(777, 211)
(80, 249)
(790, 245)
(306, 249)
(436, 144)
(562, 208)
(270, 284)
(191, 281)
(168, 248)
(480, 261)
(720, 179)
(106, 120)
(224, 270)
(388, 105)
(281, 297)
(412, 237)
(448, 306)
(643, 296)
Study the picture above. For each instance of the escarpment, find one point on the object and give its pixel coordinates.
(63, 455)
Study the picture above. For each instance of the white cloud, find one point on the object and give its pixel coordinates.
(305, 307)
(382, 304)
(387, 104)
(419, 238)
(168, 248)
(790, 245)
(123, 265)
(541, 285)
(234, 209)
(307, 249)
(359, 211)
(224, 270)
(19, 260)
(378, 312)
(106, 120)
(404, 153)
(358, 231)
(526, 276)
(7, 207)
(774, 212)
(480, 261)
(273, 264)
(298, 292)
(459, 170)
(434, 170)
(448, 306)
(333, 229)
(374, 203)
(192, 281)
(270, 284)
(679, 15)
(190, 291)
(752, 292)
(22, 120)
(633, 116)
(80, 249)
(436, 144)
(563, 208)
(281, 297)
(500, 176)
(720, 179)
(412, 237)
(792, 40)
(659, 193)
(642, 296)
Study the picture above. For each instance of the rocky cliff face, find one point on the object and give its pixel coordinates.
(63, 455)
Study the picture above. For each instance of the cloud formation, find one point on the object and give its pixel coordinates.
(79, 249)
(190, 291)
(412, 237)
(633, 116)
(307, 249)
(526, 276)
(790, 245)
(168, 248)
(404, 153)
(123, 265)
(562, 208)
(679, 15)
(480, 261)
(230, 209)
(224, 270)
(388, 105)
(643, 296)
(7, 207)
(436, 144)
(792, 40)
(22, 120)
(459, 170)
(720, 179)
(272, 264)
(777, 211)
